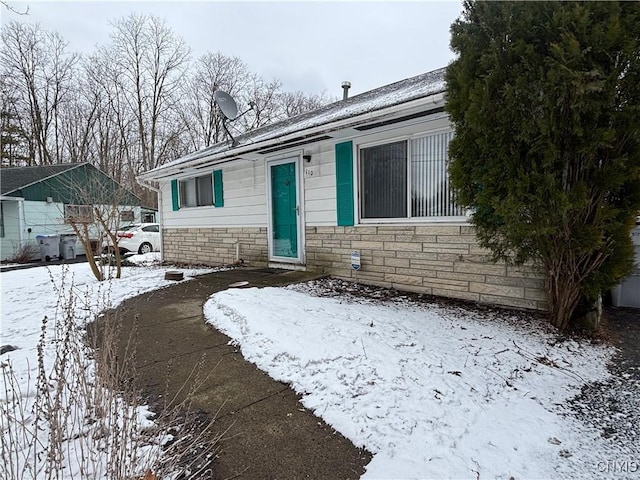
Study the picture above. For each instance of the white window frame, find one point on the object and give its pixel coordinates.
(84, 213)
(195, 178)
(129, 214)
(409, 219)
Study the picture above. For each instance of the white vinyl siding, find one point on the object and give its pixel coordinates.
(42, 218)
(245, 187)
(320, 189)
(244, 200)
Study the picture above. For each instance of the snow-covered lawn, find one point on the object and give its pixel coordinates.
(29, 295)
(433, 392)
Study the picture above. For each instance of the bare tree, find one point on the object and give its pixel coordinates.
(79, 119)
(202, 119)
(132, 105)
(98, 214)
(263, 96)
(11, 9)
(295, 103)
(150, 62)
(264, 102)
(114, 130)
(39, 68)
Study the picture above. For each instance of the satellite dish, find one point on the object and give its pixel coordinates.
(226, 103)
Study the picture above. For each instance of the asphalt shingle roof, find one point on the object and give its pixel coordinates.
(15, 178)
(397, 93)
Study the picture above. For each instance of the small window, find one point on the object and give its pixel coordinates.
(78, 214)
(196, 191)
(126, 216)
(151, 228)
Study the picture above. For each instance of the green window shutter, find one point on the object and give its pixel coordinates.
(218, 189)
(174, 195)
(344, 183)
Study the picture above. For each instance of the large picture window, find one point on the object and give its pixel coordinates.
(196, 191)
(407, 179)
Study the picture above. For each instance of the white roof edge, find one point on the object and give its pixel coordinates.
(228, 155)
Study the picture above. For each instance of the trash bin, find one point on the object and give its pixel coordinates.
(49, 247)
(627, 293)
(68, 246)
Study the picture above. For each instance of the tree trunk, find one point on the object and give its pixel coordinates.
(563, 295)
(86, 243)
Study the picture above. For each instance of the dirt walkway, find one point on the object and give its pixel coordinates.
(270, 434)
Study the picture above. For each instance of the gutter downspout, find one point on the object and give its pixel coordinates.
(160, 218)
(21, 222)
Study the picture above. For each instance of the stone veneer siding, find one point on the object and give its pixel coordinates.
(214, 246)
(439, 260)
(443, 260)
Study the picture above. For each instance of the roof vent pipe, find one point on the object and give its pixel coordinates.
(346, 85)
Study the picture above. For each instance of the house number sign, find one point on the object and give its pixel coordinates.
(311, 171)
(355, 260)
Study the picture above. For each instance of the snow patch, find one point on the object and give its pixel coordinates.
(433, 392)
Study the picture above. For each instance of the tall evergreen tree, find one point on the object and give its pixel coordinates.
(545, 99)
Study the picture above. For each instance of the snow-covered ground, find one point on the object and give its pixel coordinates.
(433, 392)
(28, 295)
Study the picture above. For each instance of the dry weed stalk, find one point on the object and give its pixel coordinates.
(83, 416)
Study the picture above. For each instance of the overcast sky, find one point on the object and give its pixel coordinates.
(310, 46)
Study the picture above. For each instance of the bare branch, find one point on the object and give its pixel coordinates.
(11, 9)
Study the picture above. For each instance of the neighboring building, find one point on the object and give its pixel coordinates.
(43, 200)
(365, 175)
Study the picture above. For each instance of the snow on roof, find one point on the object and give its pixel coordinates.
(404, 91)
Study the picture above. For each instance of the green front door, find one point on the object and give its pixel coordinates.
(284, 210)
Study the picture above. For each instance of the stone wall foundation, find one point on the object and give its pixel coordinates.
(443, 260)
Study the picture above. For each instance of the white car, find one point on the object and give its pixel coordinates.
(136, 238)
